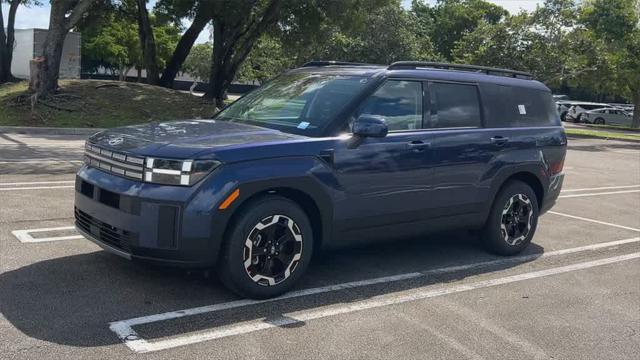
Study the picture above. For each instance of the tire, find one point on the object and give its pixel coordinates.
(261, 227)
(499, 234)
(599, 121)
(563, 116)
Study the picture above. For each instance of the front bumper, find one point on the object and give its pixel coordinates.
(145, 222)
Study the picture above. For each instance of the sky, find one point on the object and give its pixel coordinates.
(38, 17)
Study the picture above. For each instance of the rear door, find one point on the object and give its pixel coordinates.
(460, 148)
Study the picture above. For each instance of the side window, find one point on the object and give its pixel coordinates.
(399, 102)
(523, 107)
(454, 105)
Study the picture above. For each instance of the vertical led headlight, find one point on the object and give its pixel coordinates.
(177, 172)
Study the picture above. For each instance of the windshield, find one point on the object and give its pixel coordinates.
(301, 103)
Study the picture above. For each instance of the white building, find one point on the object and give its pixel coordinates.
(29, 43)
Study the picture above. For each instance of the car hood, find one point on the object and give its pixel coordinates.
(184, 139)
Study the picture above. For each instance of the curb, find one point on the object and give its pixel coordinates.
(48, 130)
(581, 136)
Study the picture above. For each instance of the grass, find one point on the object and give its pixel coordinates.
(602, 134)
(98, 103)
(613, 127)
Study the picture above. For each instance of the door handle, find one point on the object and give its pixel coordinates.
(418, 145)
(499, 140)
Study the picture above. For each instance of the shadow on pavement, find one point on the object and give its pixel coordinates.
(72, 300)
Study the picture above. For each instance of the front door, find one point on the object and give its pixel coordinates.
(384, 180)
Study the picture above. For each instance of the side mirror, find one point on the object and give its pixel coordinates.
(370, 126)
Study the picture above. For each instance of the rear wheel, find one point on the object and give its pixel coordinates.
(267, 249)
(599, 121)
(513, 219)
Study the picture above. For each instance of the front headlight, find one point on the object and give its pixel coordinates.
(177, 172)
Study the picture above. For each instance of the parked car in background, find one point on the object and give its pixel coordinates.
(608, 116)
(625, 107)
(573, 110)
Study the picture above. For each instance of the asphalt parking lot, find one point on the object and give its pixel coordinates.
(574, 294)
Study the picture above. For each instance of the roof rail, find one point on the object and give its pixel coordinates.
(332, 62)
(483, 69)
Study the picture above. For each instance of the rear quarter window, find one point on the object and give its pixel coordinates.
(510, 106)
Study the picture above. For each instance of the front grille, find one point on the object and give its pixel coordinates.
(114, 162)
(104, 232)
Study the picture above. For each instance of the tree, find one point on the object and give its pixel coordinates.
(450, 20)
(265, 61)
(7, 38)
(615, 26)
(148, 43)
(65, 14)
(198, 63)
(111, 43)
(237, 25)
(176, 10)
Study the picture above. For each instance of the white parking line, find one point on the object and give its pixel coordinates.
(137, 344)
(593, 221)
(129, 336)
(38, 183)
(602, 188)
(599, 193)
(25, 235)
(36, 188)
(37, 161)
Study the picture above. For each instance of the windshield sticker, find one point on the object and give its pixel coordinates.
(303, 125)
(522, 110)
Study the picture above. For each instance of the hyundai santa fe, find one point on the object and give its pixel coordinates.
(321, 156)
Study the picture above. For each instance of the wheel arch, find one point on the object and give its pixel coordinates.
(315, 204)
(528, 175)
(530, 179)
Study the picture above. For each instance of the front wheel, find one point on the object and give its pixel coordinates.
(267, 249)
(513, 219)
(599, 121)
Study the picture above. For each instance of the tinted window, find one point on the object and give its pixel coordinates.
(399, 102)
(454, 105)
(524, 107)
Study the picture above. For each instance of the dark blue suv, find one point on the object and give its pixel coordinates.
(322, 155)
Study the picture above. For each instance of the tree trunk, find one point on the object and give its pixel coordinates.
(148, 44)
(219, 80)
(635, 123)
(183, 49)
(3, 41)
(7, 41)
(231, 45)
(47, 77)
(64, 15)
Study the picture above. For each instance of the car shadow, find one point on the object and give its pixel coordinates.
(72, 300)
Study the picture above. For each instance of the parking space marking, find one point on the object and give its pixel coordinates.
(38, 183)
(602, 188)
(140, 345)
(599, 193)
(25, 235)
(37, 161)
(36, 188)
(593, 221)
(124, 328)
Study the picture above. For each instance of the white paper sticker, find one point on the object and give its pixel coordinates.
(303, 125)
(522, 110)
